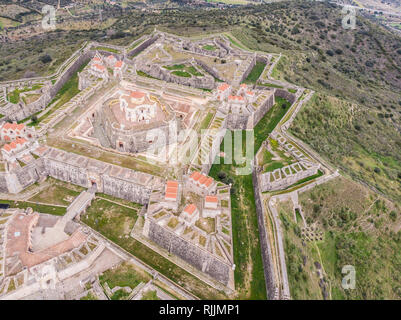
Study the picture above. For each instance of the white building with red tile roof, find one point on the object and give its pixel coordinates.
(118, 69)
(97, 67)
(17, 149)
(211, 207)
(172, 195)
(111, 61)
(189, 215)
(223, 91)
(137, 106)
(201, 184)
(11, 131)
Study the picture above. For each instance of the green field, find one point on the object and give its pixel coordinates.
(182, 70)
(57, 211)
(209, 47)
(255, 72)
(125, 275)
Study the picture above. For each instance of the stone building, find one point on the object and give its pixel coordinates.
(200, 183)
(11, 131)
(18, 149)
(246, 107)
(86, 172)
(211, 207)
(136, 122)
(201, 233)
(189, 215)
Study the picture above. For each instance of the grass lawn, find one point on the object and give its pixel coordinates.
(255, 72)
(234, 42)
(89, 296)
(359, 230)
(206, 121)
(106, 49)
(209, 47)
(133, 205)
(68, 91)
(135, 44)
(56, 194)
(273, 166)
(183, 74)
(125, 275)
(183, 70)
(57, 211)
(304, 282)
(269, 121)
(150, 295)
(14, 96)
(144, 74)
(249, 276)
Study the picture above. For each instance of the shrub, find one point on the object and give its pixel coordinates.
(45, 58)
(330, 53)
(221, 175)
(338, 51)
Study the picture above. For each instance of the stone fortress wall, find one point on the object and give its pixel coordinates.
(142, 46)
(109, 179)
(220, 52)
(249, 121)
(187, 251)
(157, 71)
(17, 112)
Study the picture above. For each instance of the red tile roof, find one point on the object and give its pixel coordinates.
(224, 87)
(137, 94)
(13, 126)
(172, 183)
(195, 175)
(211, 199)
(171, 196)
(202, 179)
(208, 182)
(235, 98)
(171, 190)
(100, 67)
(13, 145)
(190, 209)
(118, 64)
(7, 147)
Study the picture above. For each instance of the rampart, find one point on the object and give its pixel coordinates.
(189, 252)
